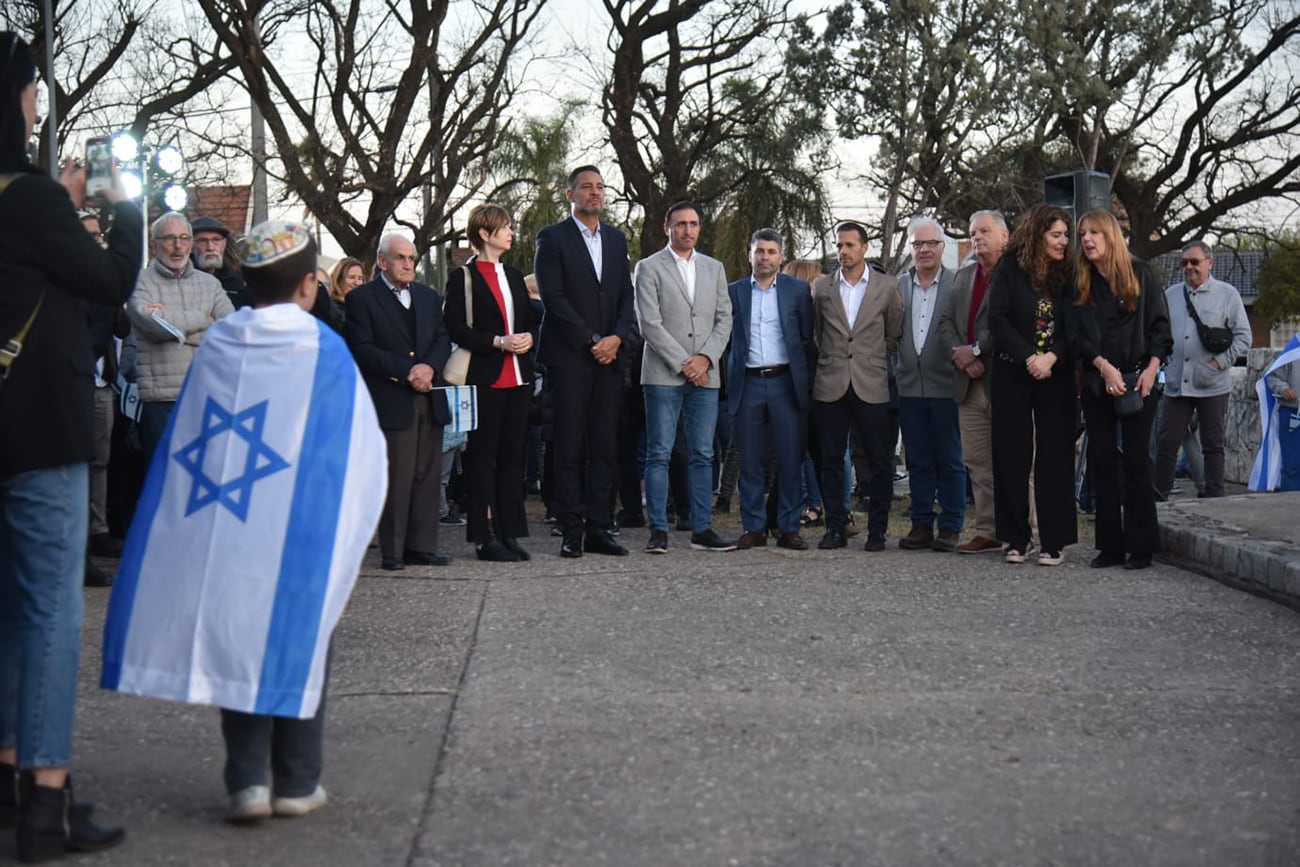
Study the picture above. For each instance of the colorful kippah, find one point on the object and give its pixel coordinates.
(272, 241)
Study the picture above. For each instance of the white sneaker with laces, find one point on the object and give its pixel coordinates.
(249, 805)
(300, 806)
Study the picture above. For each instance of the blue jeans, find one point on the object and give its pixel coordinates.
(43, 520)
(698, 408)
(935, 470)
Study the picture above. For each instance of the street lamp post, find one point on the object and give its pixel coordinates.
(150, 167)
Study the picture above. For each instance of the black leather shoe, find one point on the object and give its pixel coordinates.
(391, 564)
(96, 577)
(1138, 561)
(658, 542)
(516, 549)
(874, 543)
(572, 545)
(426, 558)
(496, 552)
(832, 539)
(1106, 559)
(602, 543)
(49, 825)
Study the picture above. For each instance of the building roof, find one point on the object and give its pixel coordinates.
(1238, 267)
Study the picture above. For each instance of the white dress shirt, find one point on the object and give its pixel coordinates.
(403, 294)
(852, 295)
(686, 268)
(766, 343)
(923, 302)
(592, 239)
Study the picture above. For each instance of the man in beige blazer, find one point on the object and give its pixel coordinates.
(685, 316)
(857, 321)
(964, 327)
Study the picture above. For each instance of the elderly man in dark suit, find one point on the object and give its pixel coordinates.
(767, 389)
(395, 330)
(582, 273)
(857, 321)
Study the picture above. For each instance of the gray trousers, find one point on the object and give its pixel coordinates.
(1176, 416)
(409, 521)
(103, 440)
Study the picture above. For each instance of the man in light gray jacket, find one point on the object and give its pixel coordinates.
(927, 411)
(1196, 379)
(685, 316)
(171, 309)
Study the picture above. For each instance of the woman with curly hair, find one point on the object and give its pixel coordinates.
(1032, 387)
(1118, 327)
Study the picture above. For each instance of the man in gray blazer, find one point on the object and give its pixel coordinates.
(857, 321)
(927, 412)
(965, 330)
(685, 317)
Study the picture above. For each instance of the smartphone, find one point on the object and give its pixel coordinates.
(99, 166)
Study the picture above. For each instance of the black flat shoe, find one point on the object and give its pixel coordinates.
(426, 558)
(516, 549)
(495, 552)
(1138, 561)
(832, 539)
(602, 543)
(1107, 559)
(391, 564)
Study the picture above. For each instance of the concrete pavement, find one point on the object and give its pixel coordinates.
(755, 708)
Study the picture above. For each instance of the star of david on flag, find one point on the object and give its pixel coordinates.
(260, 459)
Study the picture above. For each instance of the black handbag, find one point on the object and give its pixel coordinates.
(1130, 402)
(1215, 340)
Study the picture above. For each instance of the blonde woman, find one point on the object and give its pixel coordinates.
(347, 274)
(1118, 328)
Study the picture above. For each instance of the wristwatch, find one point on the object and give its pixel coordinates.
(595, 338)
(975, 349)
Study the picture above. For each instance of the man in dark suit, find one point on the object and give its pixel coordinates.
(395, 330)
(586, 287)
(768, 388)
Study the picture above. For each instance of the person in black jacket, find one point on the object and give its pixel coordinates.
(1032, 387)
(49, 264)
(500, 342)
(1118, 327)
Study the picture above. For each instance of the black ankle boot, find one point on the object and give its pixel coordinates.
(50, 824)
(8, 795)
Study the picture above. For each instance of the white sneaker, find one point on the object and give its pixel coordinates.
(300, 806)
(249, 805)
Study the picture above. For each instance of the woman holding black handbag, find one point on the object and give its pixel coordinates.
(492, 318)
(1118, 328)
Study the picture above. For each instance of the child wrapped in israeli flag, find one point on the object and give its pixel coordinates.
(249, 533)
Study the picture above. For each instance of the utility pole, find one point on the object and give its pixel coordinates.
(258, 146)
(51, 122)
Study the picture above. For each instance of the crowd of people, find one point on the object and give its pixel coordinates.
(658, 384)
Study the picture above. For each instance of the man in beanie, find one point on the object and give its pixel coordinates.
(211, 238)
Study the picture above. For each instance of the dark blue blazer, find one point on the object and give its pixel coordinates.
(794, 305)
(579, 304)
(377, 334)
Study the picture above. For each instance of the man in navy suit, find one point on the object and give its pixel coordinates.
(768, 388)
(582, 273)
(394, 327)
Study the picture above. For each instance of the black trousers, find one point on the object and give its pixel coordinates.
(1121, 474)
(494, 465)
(871, 422)
(586, 400)
(631, 428)
(1033, 424)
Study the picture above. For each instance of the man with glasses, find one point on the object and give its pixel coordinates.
(171, 309)
(926, 408)
(1197, 379)
(211, 238)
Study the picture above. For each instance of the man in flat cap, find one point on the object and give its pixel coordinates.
(211, 238)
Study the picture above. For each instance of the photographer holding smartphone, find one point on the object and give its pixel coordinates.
(48, 265)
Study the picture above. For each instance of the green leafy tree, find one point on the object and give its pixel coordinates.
(1279, 284)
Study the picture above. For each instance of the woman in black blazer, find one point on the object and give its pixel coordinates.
(1118, 327)
(1031, 387)
(500, 342)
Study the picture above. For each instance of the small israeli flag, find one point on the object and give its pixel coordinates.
(254, 518)
(1266, 475)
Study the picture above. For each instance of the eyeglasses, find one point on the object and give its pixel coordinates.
(209, 241)
(924, 245)
(174, 239)
(1192, 263)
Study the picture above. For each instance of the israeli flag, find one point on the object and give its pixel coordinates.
(1267, 472)
(255, 515)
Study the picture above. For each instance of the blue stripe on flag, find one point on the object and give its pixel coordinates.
(309, 538)
(122, 601)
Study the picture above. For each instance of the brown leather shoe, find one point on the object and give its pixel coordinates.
(751, 540)
(919, 539)
(979, 545)
(793, 541)
(946, 541)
